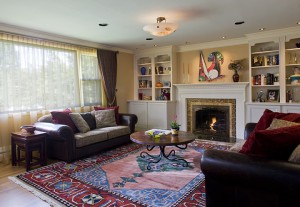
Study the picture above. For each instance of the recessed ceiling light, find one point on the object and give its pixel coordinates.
(155, 45)
(262, 29)
(103, 24)
(224, 37)
(298, 22)
(149, 38)
(240, 22)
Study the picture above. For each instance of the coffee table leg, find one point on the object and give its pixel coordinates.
(172, 153)
(163, 154)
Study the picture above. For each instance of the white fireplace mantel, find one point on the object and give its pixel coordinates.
(235, 91)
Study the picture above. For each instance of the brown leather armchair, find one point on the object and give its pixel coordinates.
(238, 180)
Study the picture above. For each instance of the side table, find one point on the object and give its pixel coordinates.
(28, 143)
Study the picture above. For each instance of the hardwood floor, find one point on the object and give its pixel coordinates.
(13, 195)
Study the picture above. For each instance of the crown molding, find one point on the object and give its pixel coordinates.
(290, 31)
(55, 37)
(213, 44)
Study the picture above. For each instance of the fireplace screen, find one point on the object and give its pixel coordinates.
(211, 122)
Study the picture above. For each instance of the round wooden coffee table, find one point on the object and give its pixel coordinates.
(180, 141)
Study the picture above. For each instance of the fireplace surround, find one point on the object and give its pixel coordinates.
(213, 119)
(231, 94)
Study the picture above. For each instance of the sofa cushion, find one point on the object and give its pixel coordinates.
(63, 117)
(79, 122)
(116, 131)
(276, 144)
(104, 118)
(116, 108)
(90, 119)
(90, 137)
(264, 122)
(46, 118)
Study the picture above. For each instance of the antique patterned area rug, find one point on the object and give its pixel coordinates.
(120, 177)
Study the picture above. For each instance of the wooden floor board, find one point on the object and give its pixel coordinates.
(13, 195)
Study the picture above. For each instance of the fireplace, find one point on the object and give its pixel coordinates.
(212, 119)
(232, 95)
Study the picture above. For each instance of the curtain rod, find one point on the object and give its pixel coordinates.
(49, 40)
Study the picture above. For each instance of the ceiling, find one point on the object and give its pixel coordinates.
(199, 20)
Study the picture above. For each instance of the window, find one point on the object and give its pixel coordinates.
(35, 77)
(90, 77)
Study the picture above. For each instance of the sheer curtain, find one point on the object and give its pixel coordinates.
(37, 76)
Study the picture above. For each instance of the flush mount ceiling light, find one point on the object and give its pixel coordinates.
(161, 28)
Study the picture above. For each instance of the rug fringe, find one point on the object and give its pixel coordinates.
(37, 193)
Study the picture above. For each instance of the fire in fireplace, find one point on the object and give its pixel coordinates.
(211, 121)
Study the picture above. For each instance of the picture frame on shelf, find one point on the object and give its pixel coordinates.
(273, 95)
(257, 61)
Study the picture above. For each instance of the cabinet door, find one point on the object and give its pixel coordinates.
(254, 112)
(140, 110)
(157, 116)
(291, 109)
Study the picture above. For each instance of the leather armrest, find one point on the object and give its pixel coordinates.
(248, 129)
(128, 120)
(57, 132)
(244, 170)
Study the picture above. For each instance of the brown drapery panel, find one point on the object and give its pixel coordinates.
(107, 61)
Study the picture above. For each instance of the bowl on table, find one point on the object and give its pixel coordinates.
(28, 128)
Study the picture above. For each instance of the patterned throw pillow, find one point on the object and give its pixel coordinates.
(295, 156)
(279, 123)
(237, 146)
(79, 122)
(116, 108)
(105, 118)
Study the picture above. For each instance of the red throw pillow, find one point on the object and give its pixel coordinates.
(116, 108)
(276, 144)
(265, 121)
(63, 117)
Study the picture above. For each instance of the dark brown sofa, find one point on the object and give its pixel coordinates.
(238, 180)
(61, 142)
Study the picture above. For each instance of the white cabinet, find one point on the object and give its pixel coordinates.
(255, 111)
(265, 71)
(153, 114)
(272, 61)
(292, 61)
(155, 73)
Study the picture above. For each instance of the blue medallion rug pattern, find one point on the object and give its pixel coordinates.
(120, 177)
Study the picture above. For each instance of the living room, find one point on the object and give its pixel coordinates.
(190, 49)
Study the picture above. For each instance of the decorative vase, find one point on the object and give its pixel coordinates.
(143, 70)
(236, 76)
(174, 131)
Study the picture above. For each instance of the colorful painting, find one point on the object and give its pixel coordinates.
(214, 70)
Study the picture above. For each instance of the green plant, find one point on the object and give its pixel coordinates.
(236, 65)
(174, 124)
